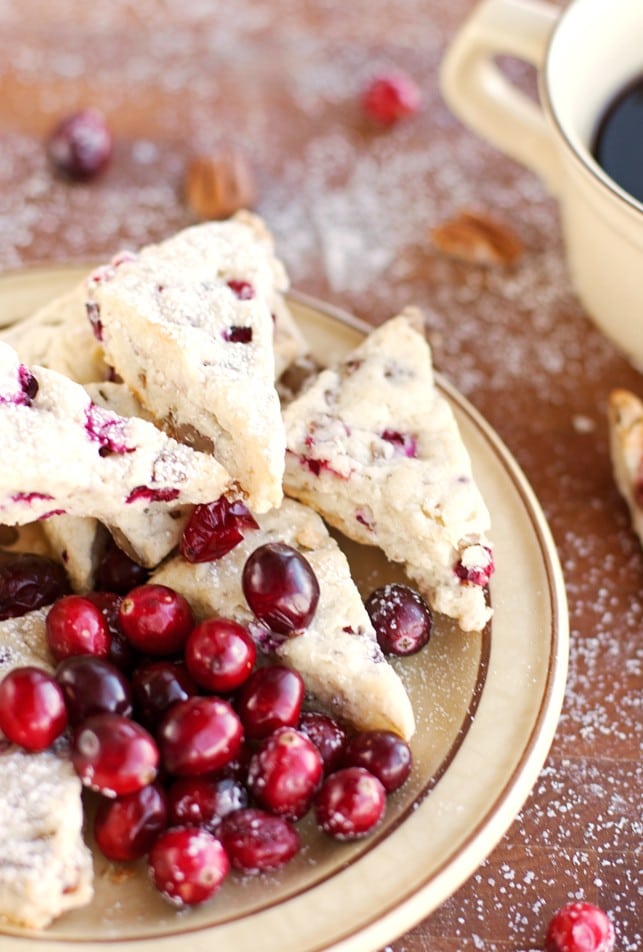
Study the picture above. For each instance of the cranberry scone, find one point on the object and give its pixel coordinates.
(187, 324)
(625, 420)
(337, 654)
(45, 867)
(374, 447)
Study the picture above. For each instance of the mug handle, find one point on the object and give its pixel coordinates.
(480, 95)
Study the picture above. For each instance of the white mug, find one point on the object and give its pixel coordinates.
(585, 55)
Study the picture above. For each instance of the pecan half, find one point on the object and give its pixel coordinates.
(478, 238)
(217, 186)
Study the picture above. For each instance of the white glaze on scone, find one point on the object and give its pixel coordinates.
(625, 419)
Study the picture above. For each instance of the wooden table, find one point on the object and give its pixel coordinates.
(352, 208)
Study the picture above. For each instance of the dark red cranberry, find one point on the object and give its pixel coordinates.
(284, 773)
(92, 685)
(350, 803)
(198, 736)
(580, 927)
(478, 573)
(114, 755)
(401, 619)
(237, 334)
(32, 708)
(156, 686)
(187, 865)
(404, 444)
(117, 572)
(220, 654)
(121, 651)
(28, 383)
(200, 801)
(382, 753)
(280, 587)
(75, 626)
(81, 145)
(256, 841)
(126, 828)
(29, 581)
(271, 698)
(390, 97)
(327, 735)
(153, 494)
(214, 528)
(241, 289)
(156, 619)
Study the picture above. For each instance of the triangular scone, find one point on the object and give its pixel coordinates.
(374, 447)
(338, 655)
(45, 867)
(625, 418)
(61, 453)
(187, 324)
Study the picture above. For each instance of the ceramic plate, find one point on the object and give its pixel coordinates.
(486, 705)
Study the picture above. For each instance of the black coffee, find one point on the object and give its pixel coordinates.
(618, 145)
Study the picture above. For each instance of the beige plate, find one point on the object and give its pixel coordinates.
(487, 707)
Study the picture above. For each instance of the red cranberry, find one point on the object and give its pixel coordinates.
(156, 686)
(32, 708)
(241, 289)
(257, 841)
(29, 581)
(188, 865)
(199, 801)
(92, 686)
(214, 529)
(580, 927)
(220, 654)
(350, 803)
(390, 97)
(156, 619)
(126, 828)
(117, 572)
(121, 651)
(285, 772)
(81, 145)
(280, 587)
(382, 753)
(401, 619)
(476, 572)
(113, 755)
(199, 735)
(270, 698)
(75, 626)
(327, 735)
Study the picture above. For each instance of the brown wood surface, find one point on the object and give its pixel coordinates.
(352, 208)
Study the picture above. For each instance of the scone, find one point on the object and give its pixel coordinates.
(374, 447)
(337, 655)
(187, 324)
(45, 867)
(625, 418)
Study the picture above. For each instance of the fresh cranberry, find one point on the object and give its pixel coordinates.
(29, 581)
(117, 572)
(256, 841)
(401, 619)
(280, 587)
(271, 698)
(92, 685)
(580, 927)
(284, 773)
(382, 753)
(32, 708)
(350, 803)
(220, 654)
(121, 651)
(390, 97)
(126, 828)
(75, 626)
(476, 571)
(199, 801)
(81, 145)
(241, 289)
(187, 865)
(156, 686)
(199, 735)
(114, 755)
(214, 528)
(156, 619)
(327, 735)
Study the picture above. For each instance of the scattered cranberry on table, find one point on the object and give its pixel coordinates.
(80, 146)
(390, 97)
(580, 927)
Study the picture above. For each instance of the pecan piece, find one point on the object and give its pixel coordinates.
(478, 238)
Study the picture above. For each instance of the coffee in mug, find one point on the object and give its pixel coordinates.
(618, 143)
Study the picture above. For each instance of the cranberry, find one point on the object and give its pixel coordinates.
(476, 566)
(280, 587)
(32, 708)
(126, 828)
(214, 529)
(199, 735)
(285, 772)
(121, 652)
(29, 581)
(401, 619)
(92, 686)
(237, 334)
(220, 654)
(156, 685)
(257, 841)
(81, 145)
(241, 289)
(113, 755)
(404, 444)
(350, 803)
(117, 572)
(580, 927)
(199, 801)
(270, 698)
(188, 865)
(382, 753)
(156, 619)
(390, 97)
(327, 735)
(75, 626)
